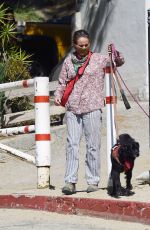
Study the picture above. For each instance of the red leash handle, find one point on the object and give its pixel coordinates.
(114, 53)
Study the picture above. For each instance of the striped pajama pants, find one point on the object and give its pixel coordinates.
(90, 125)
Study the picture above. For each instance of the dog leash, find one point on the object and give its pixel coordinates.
(132, 95)
(127, 105)
(126, 102)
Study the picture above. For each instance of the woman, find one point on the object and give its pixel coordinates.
(83, 110)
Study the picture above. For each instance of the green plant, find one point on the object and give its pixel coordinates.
(14, 62)
(16, 66)
(20, 104)
(2, 13)
(28, 14)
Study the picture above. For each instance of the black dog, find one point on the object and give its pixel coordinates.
(123, 155)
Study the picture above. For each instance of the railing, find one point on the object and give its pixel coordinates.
(23, 117)
(40, 88)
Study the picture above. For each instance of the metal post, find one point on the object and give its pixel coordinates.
(111, 131)
(16, 84)
(18, 130)
(42, 131)
(18, 153)
(78, 21)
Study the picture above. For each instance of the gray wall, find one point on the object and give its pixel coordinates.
(121, 22)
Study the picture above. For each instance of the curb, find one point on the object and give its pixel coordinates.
(109, 209)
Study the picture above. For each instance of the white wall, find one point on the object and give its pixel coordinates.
(123, 22)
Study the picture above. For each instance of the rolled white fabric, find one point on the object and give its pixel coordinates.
(144, 177)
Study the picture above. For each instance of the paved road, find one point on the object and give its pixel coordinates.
(12, 219)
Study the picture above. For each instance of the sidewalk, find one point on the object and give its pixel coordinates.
(19, 178)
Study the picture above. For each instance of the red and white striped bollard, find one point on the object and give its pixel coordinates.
(42, 131)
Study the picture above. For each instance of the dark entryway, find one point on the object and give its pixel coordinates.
(44, 53)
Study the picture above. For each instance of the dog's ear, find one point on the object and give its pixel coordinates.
(125, 139)
(135, 148)
(137, 145)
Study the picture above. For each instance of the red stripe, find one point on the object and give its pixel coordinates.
(108, 69)
(41, 99)
(111, 100)
(42, 137)
(26, 129)
(25, 83)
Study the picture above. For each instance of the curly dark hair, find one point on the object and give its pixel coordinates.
(78, 34)
(125, 139)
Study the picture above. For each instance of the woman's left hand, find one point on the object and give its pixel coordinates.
(57, 101)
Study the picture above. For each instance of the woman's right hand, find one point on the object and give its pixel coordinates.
(57, 101)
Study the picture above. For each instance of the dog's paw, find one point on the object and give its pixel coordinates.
(117, 196)
(129, 187)
(110, 190)
(128, 192)
(114, 195)
(122, 192)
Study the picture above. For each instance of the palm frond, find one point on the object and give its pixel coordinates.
(15, 61)
(7, 33)
(2, 13)
(27, 14)
(20, 55)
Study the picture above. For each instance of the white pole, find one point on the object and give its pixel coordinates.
(17, 130)
(16, 84)
(18, 153)
(146, 86)
(42, 130)
(111, 132)
(78, 21)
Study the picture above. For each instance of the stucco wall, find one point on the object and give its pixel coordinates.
(122, 22)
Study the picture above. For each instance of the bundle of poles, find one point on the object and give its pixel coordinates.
(115, 77)
(112, 77)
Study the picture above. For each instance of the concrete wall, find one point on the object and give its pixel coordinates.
(124, 23)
